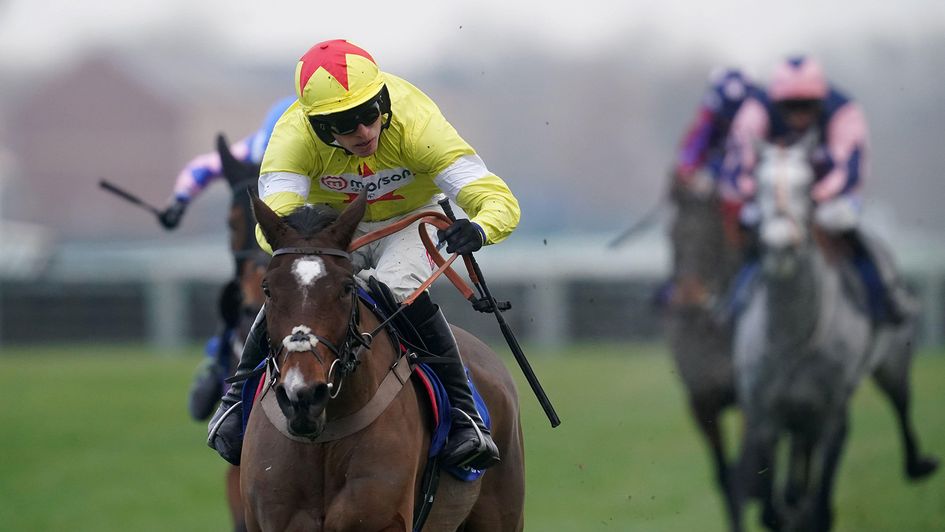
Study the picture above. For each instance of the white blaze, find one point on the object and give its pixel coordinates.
(293, 382)
(308, 269)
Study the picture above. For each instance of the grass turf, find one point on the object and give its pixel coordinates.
(98, 438)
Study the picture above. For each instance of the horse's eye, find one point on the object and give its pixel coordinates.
(348, 288)
(265, 288)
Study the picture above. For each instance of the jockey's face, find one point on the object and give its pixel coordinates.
(799, 114)
(361, 142)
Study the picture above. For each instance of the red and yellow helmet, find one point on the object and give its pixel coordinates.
(335, 76)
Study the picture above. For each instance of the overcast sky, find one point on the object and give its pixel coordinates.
(406, 33)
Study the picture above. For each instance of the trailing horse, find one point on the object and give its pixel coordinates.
(344, 441)
(705, 258)
(242, 296)
(802, 346)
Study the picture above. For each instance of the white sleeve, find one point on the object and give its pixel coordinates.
(464, 170)
(275, 182)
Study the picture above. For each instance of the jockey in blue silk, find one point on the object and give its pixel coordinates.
(703, 146)
(196, 176)
(698, 165)
(800, 99)
(203, 169)
(353, 128)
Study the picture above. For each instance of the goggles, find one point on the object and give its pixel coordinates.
(347, 122)
(799, 106)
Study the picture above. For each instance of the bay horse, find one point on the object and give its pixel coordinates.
(318, 476)
(705, 259)
(801, 348)
(243, 296)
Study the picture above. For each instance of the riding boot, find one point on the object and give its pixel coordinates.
(741, 287)
(899, 303)
(470, 442)
(225, 431)
(207, 386)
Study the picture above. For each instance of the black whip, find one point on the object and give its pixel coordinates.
(493, 307)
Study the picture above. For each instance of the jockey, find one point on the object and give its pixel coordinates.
(702, 149)
(204, 169)
(704, 143)
(357, 127)
(193, 179)
(799, 98)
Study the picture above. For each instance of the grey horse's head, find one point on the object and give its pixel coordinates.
(784, 178)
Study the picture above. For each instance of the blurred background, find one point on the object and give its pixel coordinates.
(578, 106)
(579, 109)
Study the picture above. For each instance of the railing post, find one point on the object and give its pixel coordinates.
(547, 312)
(167, 312)
(932, 295)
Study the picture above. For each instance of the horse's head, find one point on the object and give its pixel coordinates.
(698, 241)
(785, 176)
(311, 307)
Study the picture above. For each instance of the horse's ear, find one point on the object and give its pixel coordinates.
(235, 171)
(273, 228)
(342, 230)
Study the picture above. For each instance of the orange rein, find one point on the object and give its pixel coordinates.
(440, 221)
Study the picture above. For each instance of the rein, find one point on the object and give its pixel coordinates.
(347, 355)
(440, 221)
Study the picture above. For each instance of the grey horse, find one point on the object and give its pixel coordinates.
(802, 345)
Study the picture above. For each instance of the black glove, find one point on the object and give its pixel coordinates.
(171, 216)
(462, 237)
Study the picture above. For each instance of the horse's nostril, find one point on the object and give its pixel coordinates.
(321, 392)
(317, 394)
(282, 397)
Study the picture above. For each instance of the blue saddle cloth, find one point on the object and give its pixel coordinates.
(877, 305)
(440, 403)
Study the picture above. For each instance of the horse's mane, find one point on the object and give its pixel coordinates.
(310, 219)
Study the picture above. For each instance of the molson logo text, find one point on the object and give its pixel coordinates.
(380, 185)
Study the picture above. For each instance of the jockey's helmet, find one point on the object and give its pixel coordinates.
(798, 78)
(339, 85)
(728, 88)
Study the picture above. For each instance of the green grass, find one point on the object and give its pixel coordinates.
(99, 439)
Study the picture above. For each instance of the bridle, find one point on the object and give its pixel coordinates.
(347, 355)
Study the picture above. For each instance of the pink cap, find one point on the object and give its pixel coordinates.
(799, 78)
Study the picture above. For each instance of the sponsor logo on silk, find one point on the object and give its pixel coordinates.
(380, 185)
(334, 182)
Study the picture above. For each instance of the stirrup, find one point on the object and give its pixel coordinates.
(479, 436)
(481, 457)
(216, 426)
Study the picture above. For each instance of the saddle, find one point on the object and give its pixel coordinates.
(380, 299)
(857, 278)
